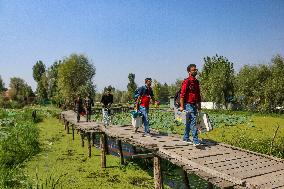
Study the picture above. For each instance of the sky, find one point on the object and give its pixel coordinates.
(150, 38)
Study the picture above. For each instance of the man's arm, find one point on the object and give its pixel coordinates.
(182, 94)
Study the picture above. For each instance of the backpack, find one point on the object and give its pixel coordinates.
(177, 95)
(136, 92)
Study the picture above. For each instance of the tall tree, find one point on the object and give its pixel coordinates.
(217, 80)
(39, 74)
(164, 93)
(52, 79)
(38, 70)
(250, 84)
(2, 85)
(75, 76)
(275, 85)
(131, 86)
(156, 89)
(19, 90)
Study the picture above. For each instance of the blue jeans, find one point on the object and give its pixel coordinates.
(145, 118)
(191, 108)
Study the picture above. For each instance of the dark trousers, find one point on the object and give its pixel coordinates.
(88, 114)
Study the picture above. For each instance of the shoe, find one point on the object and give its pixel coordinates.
(147, 134)
(188, 141)
(196, 144)
(136, 129)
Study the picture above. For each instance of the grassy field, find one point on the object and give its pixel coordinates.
(256, 134)
(63, 163)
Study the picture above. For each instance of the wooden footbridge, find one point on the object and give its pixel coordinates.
(222, 165)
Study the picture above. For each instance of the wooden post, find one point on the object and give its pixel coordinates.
(119, 145)
(158, 173)
(94, 139)
(89, 143)
(82, 138)
(134, 149)
(73, 131)
(103, 150)
(67, 125)
(106, 145)
(210, 185)
(185, 179)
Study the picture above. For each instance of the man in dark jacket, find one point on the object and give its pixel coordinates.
(78, 107)
(88, 107)
(107, 99)
(190, 100)
(142, 104)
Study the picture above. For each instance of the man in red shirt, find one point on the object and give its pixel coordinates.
(190, 100)
(143, 102)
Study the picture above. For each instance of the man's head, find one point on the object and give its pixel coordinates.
(108, 91)
(148, 81)
(191, 69)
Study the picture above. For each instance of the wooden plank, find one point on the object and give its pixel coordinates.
(206, 169)
(148, 155)
(239, 163)
(265, 180)
(257, 170)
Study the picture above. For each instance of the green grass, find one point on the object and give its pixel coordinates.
(64, 163)
(256, 135)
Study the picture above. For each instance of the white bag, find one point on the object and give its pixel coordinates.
(137, 122)
(204, 124)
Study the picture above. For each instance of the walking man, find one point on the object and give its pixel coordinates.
(107, 100)
(88, 106)
(145, 94)
(78, 107)
(190, 100)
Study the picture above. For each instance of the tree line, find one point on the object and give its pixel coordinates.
(254, 87)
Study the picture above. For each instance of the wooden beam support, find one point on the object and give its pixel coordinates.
(185, 179)
(82, 138)
(67, 126)
(149, 155)
(103, 150)
(158, 173)
(210, 185)
(73, 128)
(89, 143)
(119, 146)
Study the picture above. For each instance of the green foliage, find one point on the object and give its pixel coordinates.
(19, 92)
(2, 85)
(156, 89)
(217, 78)
(18, 141)
(75, 77)
(38, 70)
(52, 77)
(131, 86)
(261, 87)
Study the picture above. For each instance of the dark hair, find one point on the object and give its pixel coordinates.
(190, 66)
(148, 79)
